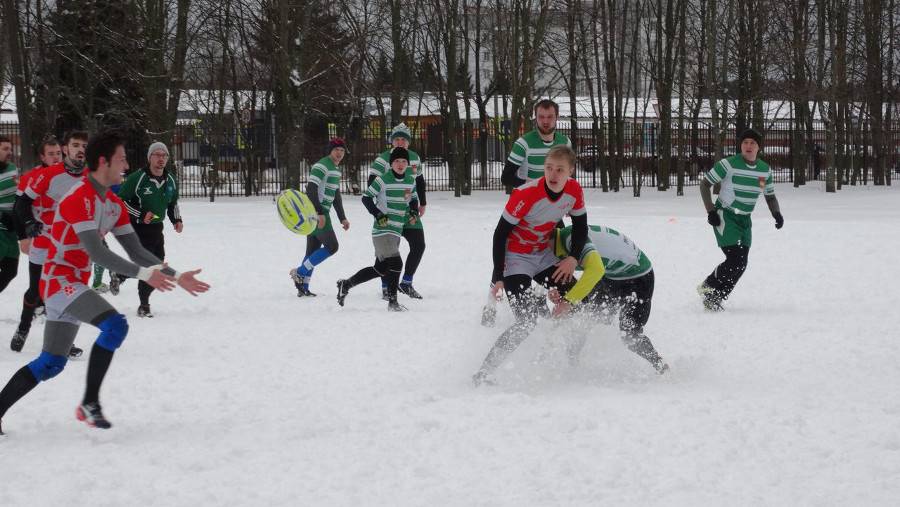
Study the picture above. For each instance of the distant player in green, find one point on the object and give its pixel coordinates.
(390, 198)
(526, 157)
(9, 242)
(617, 277)
(413, 231)
(324, 190)
(743, 178)
(149, 194)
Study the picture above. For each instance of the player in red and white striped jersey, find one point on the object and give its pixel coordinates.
(50, 154)
(523, 250)
(84, 215)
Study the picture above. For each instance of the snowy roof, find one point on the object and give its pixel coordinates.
(207, 102)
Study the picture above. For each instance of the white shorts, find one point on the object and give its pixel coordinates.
(37, 255)
(529, 264)
(57, 304)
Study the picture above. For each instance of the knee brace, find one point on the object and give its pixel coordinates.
(47, 366)
(113, 331)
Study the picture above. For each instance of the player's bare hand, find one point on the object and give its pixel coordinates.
(161, 281)
(565, 269)
(561, 309)
(345, 224)
(421, 210)
(553, 296)
(25, 245)
(148, 217)
(179, 226)
(188, 282)
(412, 220)
(322, 222)
(497, 290)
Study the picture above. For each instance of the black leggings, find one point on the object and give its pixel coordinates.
(726, 275)
(151, 236)
(9, 266)
(416, 240)
(327, 239)
(32, 298)
(388, 269)
(525, 305)
(633, 297)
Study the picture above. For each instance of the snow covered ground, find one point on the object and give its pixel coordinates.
(251, 396)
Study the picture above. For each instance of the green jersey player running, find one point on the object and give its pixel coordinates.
(743, 178)
(324, 191)
(413, 231)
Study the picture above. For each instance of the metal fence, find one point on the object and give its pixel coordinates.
(244, 162)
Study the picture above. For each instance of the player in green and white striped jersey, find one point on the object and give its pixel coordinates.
(743, 178)
(617, 277)
(324, 190)
(526, 157)
(9, 243)
(391, 199)
(414, 233)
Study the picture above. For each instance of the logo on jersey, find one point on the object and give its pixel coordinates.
(69, 290)
(87, 208)
(518, 208)
(147, 191)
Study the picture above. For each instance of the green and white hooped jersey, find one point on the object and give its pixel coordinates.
(382, 164)
(392, 196)
(328, 178)
(8, 176)
(530, 151)
(622, 259)
(741, 183)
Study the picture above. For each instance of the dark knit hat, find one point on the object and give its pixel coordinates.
(336, 142)
(751, 134)
(397, 153)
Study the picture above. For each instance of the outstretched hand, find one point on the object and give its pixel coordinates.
(161, 281)
(192, 285)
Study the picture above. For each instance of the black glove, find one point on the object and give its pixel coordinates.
(713, 218)
(779, 220)
(34, 228)
(381, 219)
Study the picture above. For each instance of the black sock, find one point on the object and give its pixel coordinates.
(363, 276)
(97, 366)
(21, 383)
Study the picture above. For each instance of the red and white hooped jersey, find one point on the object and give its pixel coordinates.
(82, 209)
(46, 187)
(25, 179)
(39, 245)
(535, 215)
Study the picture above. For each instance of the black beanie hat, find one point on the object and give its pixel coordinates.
(399, 153)
(751, 134)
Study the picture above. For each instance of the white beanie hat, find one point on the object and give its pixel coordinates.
(157, 146)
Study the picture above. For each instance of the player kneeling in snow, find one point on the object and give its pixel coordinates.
(523, 249)
(617, 277)
(389, 198)
(83, 217)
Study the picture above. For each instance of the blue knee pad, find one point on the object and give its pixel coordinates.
(47, 366)
(113, 331)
